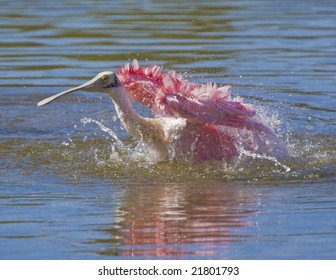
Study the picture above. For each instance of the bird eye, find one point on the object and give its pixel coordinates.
(105, 78)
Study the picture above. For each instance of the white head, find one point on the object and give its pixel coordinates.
(103, 82)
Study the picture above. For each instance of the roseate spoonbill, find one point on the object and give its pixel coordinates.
(191, 120)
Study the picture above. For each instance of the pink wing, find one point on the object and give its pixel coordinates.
(168, 94)
(207, 104)
(141, 83)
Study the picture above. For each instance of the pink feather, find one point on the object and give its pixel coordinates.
(206, 107)
(171, 95)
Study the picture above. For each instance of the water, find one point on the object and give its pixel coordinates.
(74, 185)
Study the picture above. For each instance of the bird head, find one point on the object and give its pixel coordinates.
(103, 82)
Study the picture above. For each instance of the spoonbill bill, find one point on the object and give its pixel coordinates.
(190, 120)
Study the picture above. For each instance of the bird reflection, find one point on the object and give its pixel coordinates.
(178, 220)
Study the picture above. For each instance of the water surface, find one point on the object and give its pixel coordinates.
(75, 185)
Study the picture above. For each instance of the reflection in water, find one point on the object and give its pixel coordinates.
(164, 220)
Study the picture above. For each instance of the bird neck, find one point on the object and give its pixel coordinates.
(131, 120)
(150, 131)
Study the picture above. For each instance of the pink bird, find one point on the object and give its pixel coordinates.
(191, 121)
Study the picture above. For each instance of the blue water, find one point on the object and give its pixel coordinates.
(68, 190)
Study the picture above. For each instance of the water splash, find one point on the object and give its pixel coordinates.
(127, 152)
(272, 159)
(136, 152)
(104, 128)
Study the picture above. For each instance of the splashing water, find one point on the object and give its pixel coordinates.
(124, 157)
(104, 128)
(279, 147)
(272, 159)
(138, 152)
(120, 151)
